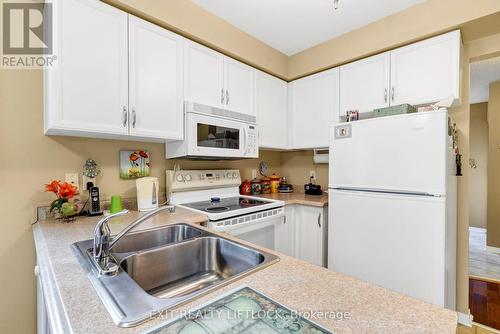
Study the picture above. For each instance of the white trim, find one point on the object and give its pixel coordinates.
(491, 249)
(465, 319)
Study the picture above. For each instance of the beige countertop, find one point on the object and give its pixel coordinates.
(299, 198)
(75, 305)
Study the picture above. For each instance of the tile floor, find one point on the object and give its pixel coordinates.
(482, 263)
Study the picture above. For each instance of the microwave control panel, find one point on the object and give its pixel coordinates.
(252, 150)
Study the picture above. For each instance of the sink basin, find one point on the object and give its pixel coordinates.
(183, 269)
(143, 240)
(164, 267)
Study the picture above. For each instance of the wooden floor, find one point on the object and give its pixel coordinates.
(484, 302)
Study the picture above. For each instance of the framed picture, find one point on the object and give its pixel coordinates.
(134, 164)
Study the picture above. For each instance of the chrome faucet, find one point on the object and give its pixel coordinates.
(103, 242)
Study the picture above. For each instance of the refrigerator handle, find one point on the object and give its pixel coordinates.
(319, 219)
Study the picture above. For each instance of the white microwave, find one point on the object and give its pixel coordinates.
(214, 133)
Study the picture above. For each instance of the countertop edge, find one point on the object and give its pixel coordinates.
(54, 305)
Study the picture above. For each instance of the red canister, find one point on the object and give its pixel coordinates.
(246, 188)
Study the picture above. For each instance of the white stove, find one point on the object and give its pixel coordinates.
(215, 193)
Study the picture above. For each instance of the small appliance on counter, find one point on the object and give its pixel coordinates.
(147, 193)
(312, 189)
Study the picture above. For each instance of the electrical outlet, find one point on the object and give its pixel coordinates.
(254, 174)
(312, 174)
(85, 180)
(72, 178)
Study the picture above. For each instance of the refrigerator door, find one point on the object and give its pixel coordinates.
(395, 241)
(403, 153)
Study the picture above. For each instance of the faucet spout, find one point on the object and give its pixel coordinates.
(103, 242)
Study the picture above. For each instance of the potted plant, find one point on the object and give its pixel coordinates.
(62, 207)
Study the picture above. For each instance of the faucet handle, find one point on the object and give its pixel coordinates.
(102, 234)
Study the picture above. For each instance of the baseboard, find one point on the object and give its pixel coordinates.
(465, 319)
(493, 249)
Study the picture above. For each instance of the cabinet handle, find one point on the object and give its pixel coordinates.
(385, 95)
(392, 93)
(222, 96)
(227, 97)
(319, 219)
(125, 116)
(134, 117)
(284, 219)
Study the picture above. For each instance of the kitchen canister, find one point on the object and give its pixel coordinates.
(275, 183)
(246, 188)
(266, 185)
(256, 187)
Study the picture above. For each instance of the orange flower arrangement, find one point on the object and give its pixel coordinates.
(64, 192)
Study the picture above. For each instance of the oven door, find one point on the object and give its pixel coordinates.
(211, 136)
(261, 233)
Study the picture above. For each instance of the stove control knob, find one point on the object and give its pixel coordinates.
(215, 199)
(235, 175)
(228, 175)
(188, 177)
(180, 178)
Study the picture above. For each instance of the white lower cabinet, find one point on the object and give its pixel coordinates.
(285, 235)
(43, 324)
(303, 234)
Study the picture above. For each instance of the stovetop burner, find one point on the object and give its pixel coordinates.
(225, 204)
(217, 208)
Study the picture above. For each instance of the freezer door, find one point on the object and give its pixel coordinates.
(397, 242)
(399, 153)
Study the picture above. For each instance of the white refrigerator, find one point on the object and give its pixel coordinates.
(392, 204)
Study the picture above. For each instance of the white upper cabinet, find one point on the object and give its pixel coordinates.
(155, 72)
(211, 78)
(313, 108)
(427, 71)
(364, 84)
(203, 75)
(87, 94)
(239, 82)
(271, 103)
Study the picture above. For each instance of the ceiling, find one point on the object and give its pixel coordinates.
(483, 73)
(291, 26)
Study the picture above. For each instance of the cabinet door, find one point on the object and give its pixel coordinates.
(314, 108)
(309, 234)
(203, 75)
(285, 233)
(239, 84)
(88, 92)
(364, 84)
(155, 65)
(426, 71)
(271, 102)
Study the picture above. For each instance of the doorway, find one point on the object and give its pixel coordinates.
(484, 187)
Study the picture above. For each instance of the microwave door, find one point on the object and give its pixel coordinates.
(215, 137)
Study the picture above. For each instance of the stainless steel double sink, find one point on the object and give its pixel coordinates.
(164, 267)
